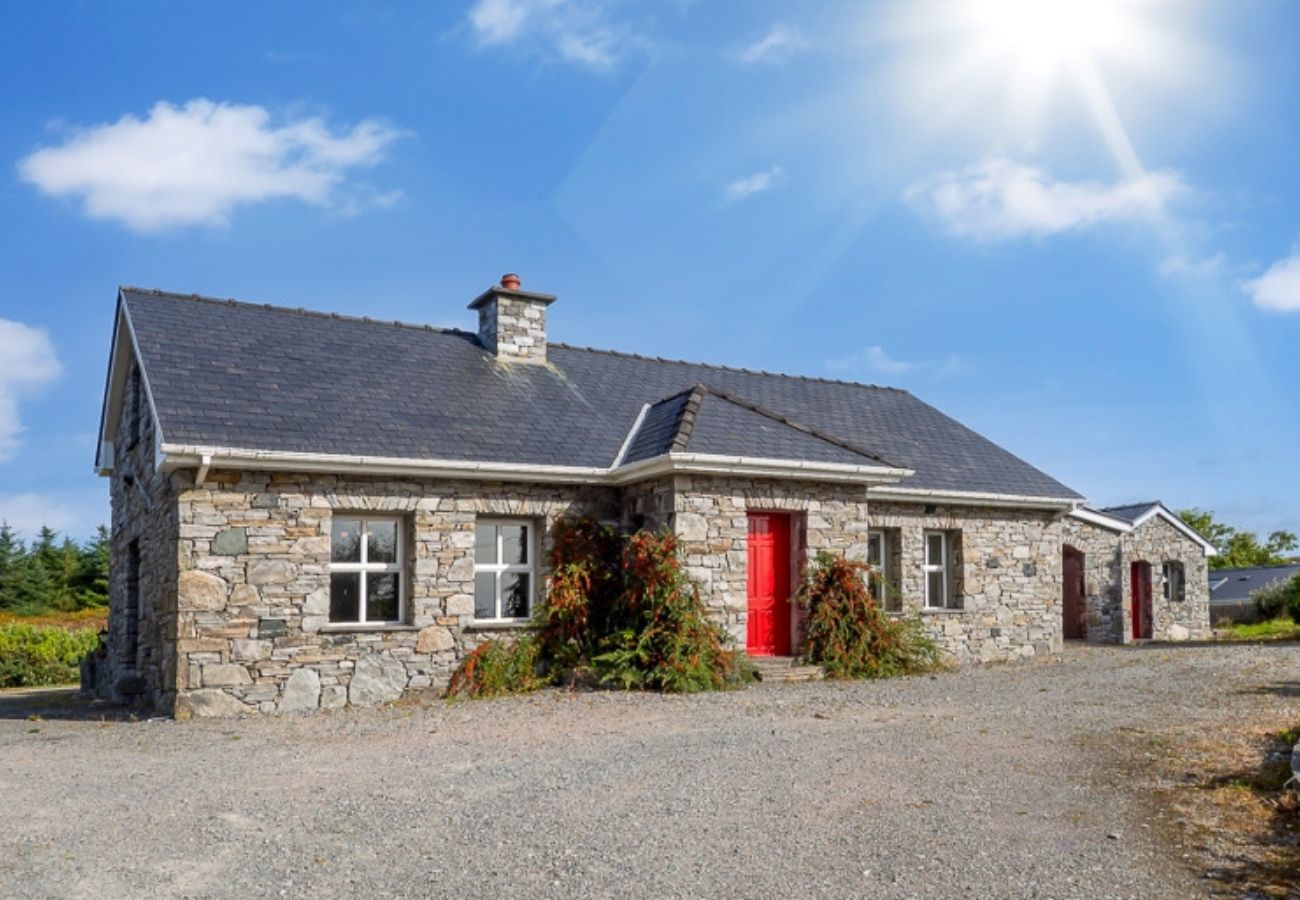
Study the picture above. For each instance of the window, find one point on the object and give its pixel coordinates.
(880, 549)
(1175, 582)
(366, 557)
(503, 570)
(939, 588)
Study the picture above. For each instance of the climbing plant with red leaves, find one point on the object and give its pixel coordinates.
(848, 634)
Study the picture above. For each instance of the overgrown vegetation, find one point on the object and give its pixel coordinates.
(1281, 598)
(666, 640)
(34, 655)
(619, 612)
(1239, 549)
(1281, 629)
(52, 575)
(849, 635)
(498, 667)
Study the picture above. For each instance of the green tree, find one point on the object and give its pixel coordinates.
(91, 581)
(12, 554)
(1238, 548)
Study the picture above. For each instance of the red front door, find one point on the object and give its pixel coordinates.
(1140, 579)
(768, 629)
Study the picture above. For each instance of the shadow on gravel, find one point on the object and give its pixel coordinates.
(1281, 689)
(59, 704)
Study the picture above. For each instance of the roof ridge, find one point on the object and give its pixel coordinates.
(796, 425)
(1130, 505)
(319, 314)
(816, 379)
(689, 415)
(295, 310)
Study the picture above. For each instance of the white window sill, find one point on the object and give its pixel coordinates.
(335, 627)
(498, 624)
(941, 611)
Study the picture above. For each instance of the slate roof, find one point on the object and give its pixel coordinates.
(1235, 585)
(705, 420)
(230, 374)
(1130, 512)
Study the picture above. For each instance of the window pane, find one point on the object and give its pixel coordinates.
(345, 597)
(875, 550)
(485, 595)
(345, 541)
(514, 544)
(934, 549)
(382, 544)
(485, 544)
(382, 597)
(934, 589)
(514, 595)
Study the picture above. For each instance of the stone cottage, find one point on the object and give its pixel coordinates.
(311, 510)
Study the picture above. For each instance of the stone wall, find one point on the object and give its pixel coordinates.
(710, 517)
(1008, 578)
(1103, 558)
(254, 551)
(514, 329)
(143, 513)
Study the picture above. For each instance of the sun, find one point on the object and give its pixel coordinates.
(1018, 71)
(1042, 37)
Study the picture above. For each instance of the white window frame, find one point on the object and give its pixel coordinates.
(944, 567)
(879, 579)
(498, 568)
(1166, 570)
(365, 567)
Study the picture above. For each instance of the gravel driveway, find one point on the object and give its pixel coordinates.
(1008, 781)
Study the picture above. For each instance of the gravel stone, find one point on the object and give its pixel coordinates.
(996, 781)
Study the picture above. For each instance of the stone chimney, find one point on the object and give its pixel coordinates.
(511, 322)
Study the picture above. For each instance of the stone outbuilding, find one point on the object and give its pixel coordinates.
(311, 510)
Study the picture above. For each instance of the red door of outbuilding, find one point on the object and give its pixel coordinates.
(768, 629)
(1074, 601)
(1140, 584)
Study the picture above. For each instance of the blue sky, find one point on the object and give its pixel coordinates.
(1074, 230)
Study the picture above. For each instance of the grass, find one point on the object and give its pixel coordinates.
(1280, 629)
(95, 617)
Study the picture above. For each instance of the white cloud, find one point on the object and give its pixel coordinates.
(998, 199)
(1278, 289)
(873, 359)
(777, 46)
(29, 363)
(195, 164)
(1183, 266)
(756, 183)
(72, 513)
(579, 31)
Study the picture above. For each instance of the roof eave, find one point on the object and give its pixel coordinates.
(974, 498)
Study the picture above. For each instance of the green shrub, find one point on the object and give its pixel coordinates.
(664, 639)
(583, 593)
(32, 655)
(1278, 599)
(498, 667)
(848, 633)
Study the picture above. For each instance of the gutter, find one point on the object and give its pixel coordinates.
(177, 456)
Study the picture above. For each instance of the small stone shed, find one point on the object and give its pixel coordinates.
(311, 510)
